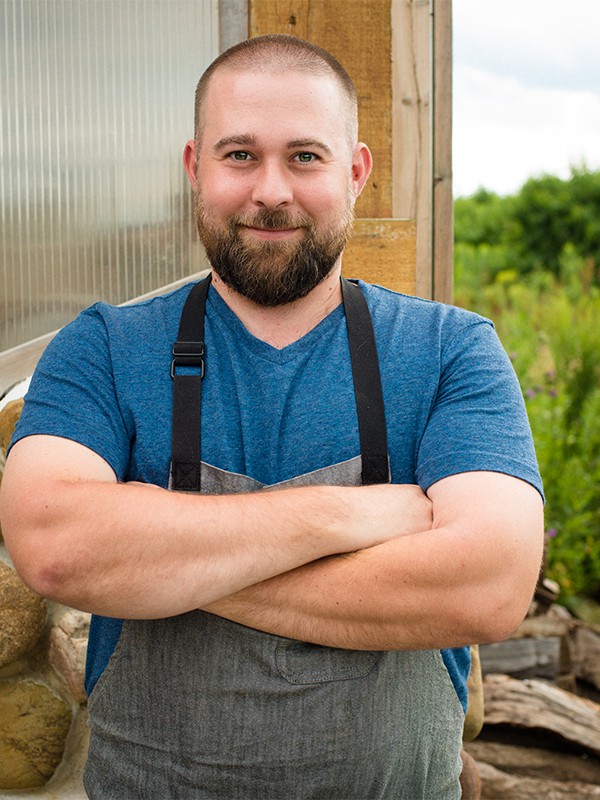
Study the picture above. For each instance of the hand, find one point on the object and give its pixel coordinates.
(381, 512)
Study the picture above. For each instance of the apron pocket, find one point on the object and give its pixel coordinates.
(304, 663)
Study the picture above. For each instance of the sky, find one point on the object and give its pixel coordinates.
(526, 91)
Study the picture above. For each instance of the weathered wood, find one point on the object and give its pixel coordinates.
(497, 785)
(555, 622)
(536, 762)
(412, 134)
(442, 200)
(585, 654)
(537, 657)
(358, 34)
(382, 251)
(531, 704)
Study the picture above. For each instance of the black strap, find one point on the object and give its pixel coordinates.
(188, 355)
(367, 386)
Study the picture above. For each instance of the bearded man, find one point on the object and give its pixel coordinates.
(290, 501)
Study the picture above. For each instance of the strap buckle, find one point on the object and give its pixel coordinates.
(188, 354)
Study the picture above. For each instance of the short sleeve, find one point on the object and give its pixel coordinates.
(72, 393)
(478, 420)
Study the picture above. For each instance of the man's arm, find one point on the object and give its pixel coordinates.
(78, 536)
(468, 580)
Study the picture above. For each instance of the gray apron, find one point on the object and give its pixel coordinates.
(197, 707)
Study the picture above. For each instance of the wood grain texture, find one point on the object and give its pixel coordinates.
(358, 33)
(382, 251)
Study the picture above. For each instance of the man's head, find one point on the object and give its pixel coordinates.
(277, 53)
(275, 166)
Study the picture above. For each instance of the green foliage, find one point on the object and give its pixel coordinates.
(533, 231)
(548, 318)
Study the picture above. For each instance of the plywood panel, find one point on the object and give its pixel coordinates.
(382, 251)
(358, 33)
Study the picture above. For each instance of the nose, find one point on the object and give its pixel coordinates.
(272, 188)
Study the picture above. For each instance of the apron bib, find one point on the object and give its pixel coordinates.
(196, 707)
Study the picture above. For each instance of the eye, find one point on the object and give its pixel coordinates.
(239, 155)
(305, 158)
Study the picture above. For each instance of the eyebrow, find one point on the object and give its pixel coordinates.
(310, 143)
(241, 139)
(246, 140)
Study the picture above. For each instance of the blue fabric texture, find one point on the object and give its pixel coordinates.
(452, 401)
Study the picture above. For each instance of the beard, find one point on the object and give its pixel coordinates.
(272, 273)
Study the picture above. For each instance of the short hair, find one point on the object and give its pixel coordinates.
(275, 52)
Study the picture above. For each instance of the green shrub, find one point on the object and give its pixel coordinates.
(552, 334)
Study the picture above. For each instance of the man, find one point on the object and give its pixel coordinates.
(329, 656)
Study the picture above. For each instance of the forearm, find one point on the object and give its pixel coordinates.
(454, 585)
(137, 551)
(131, 550)
(388, 597)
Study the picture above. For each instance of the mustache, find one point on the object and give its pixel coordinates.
(271, 220)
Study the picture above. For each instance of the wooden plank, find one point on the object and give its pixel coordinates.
(382, 251)
(411, 141)
(359, 34)
(442, 200)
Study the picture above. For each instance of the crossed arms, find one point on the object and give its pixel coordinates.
(381, 567)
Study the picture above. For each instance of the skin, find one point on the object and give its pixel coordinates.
(382, 567)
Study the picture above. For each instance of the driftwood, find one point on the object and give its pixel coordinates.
(538, 740)
(536, 762)
(554, 647)
(498, 785)
(537, 657)
(534, 705)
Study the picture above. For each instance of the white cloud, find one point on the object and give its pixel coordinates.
(526, 91)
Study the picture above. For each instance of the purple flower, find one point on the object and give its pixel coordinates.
(551, 533)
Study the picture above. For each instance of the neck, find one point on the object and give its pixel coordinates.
(282, 325)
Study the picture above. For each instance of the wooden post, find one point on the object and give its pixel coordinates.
(399, 55)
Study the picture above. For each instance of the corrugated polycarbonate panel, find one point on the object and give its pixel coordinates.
(97, 104)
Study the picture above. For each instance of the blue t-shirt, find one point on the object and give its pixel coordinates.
(452, 401)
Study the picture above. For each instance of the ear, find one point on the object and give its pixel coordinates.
(362, 161)
(190, 162)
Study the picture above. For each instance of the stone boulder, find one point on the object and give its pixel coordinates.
(68, 648)
(34, 724)
(22, 616)
(9, 416)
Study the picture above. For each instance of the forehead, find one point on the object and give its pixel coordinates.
(296, 105)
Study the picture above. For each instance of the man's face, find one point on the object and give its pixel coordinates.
(274, 181)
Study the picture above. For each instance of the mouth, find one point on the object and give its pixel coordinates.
(271, 234)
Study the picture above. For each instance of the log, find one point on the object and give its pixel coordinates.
(532, 704)
(535, 762)
(585, 653)
(497, 785)
(537, 657)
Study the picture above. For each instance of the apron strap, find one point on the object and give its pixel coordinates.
(187, 372)
(367, 386)
(188, 356)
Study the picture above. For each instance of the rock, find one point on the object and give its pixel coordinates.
(68, 648)
(8, 419)
(22, 616)
(34, 724)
